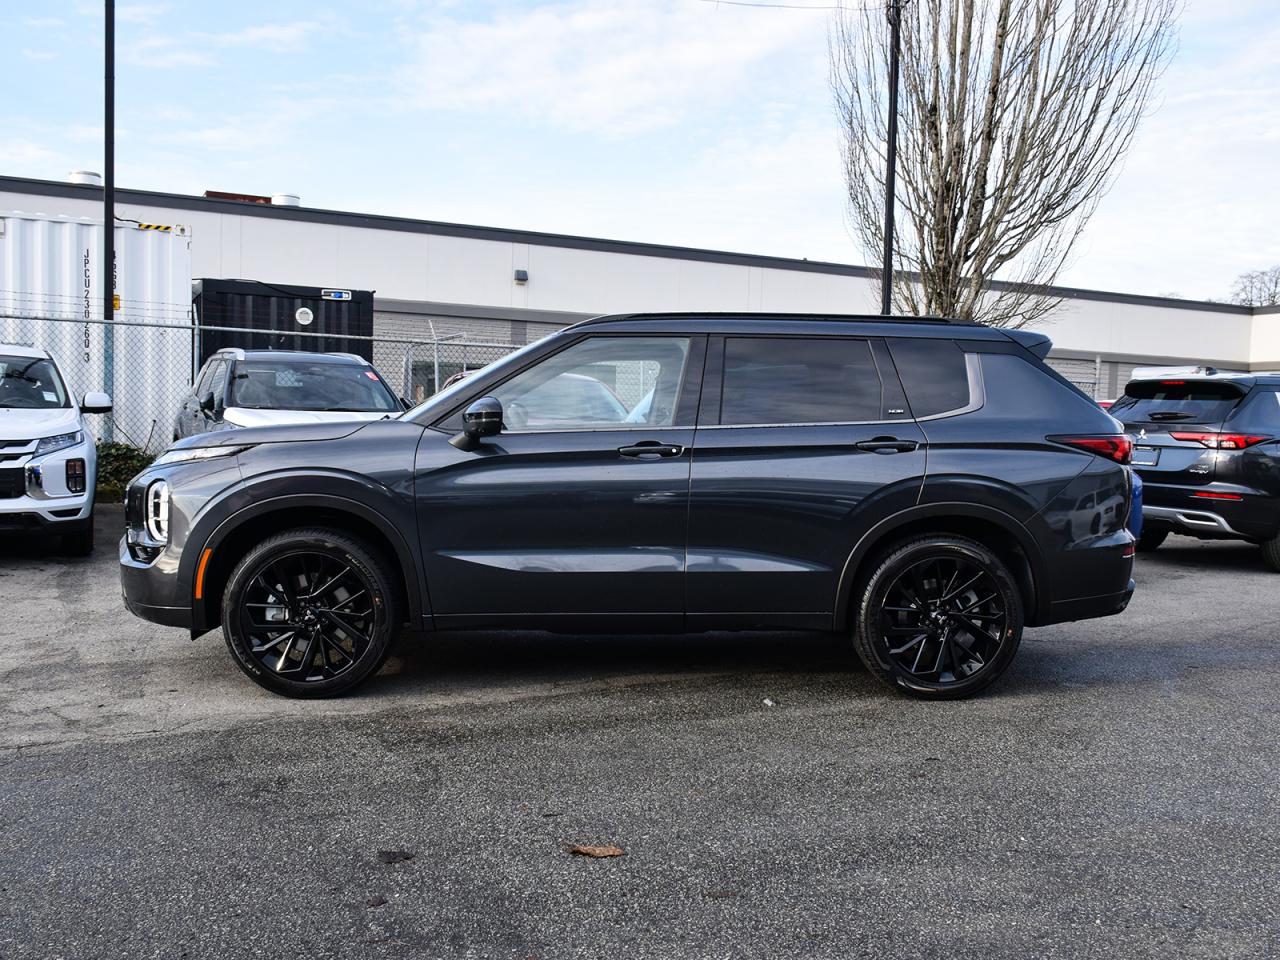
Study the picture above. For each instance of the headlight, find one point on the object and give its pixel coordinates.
(60, 442)
(157, 511)
(196, 453)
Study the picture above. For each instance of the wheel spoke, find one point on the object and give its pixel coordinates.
(274, 643)
(345, 627)
(907, 646)
(317, 593)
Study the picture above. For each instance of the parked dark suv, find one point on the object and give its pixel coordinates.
(1207, 446)
(930, 487)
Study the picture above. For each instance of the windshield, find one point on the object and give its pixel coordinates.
(31, 383)
(1176, 401)
(302, 385)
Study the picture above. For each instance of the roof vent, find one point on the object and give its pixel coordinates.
(286, 200)
(87, 177)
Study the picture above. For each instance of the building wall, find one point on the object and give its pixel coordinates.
(433, 266)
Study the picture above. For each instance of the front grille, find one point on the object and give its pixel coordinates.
(14, 443)
(12, 484)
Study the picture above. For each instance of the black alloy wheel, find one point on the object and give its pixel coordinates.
(941, 618)
(307, 613)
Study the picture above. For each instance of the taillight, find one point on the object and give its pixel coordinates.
(1211, 495)
(1219, 441)
(1113, 447)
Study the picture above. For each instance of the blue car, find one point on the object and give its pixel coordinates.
(1135, 511)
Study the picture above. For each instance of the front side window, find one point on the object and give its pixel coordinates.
(598, 383)
(775, 380)
(307, 385)
(30, 383)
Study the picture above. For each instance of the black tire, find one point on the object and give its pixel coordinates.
(927, 601)
(1150, 539)
(79, 543)
(1271, 553)
(294, 613)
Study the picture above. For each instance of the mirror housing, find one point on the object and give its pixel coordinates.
(207, 402)
(95, 401)
(482, 419)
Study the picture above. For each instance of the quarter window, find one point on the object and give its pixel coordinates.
(772, 380)
(934, 374)
(598, 383)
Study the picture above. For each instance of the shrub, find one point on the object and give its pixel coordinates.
(118, 463)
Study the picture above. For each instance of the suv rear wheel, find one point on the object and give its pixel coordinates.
(1271, 552)
(940, 618)
(309, 613)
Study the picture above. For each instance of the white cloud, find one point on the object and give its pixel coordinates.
(41, 23)
(277, 36)
(609, 68)
(38, 54)
(26, 153)
(140, 12)
(162, 52)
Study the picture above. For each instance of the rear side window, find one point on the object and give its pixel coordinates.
(1176, 401)
(934, 374)
(771, 380)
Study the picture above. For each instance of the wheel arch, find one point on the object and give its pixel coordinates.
(252, 524)
(1010, 540)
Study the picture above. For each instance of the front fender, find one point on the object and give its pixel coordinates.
(389, 511)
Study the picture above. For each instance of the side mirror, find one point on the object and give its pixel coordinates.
(406, 404)
(482, 419)
(96, 402)
(207, 402)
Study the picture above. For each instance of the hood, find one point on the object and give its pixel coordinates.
(253, 417)
(20, 423)
(282, 433)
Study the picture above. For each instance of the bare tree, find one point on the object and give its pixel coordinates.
(1257, 288)
(1015, 115)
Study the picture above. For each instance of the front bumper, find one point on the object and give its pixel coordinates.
(148, 591)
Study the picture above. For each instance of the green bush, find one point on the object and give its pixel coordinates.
(118, 463)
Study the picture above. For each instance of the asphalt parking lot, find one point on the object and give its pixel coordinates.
(1116, 795)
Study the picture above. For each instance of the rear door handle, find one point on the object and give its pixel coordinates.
(651, 450)
(887, 445)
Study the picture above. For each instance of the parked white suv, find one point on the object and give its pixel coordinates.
(48, 461)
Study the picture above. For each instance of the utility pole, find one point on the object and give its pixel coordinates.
(109, 209)
(894, 10)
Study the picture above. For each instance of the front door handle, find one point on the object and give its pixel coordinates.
(651, 450)
(887, 445)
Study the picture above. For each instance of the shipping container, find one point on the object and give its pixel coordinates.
(289, 317)
(51, 297)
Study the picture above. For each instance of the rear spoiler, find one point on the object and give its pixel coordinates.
(1036, 343)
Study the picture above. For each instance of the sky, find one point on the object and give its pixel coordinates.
(671, 121)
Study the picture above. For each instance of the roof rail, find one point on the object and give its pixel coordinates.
(758, 315)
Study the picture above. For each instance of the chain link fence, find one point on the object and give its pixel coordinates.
(147, 368)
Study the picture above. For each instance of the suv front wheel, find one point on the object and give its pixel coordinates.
(309, 613)
(940, 618)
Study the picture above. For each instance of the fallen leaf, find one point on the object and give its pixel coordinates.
(605, 850)
(377, 901)
(395, 856)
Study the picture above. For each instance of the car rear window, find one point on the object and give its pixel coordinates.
(934, 374)
(793, 380)
(1176, 401)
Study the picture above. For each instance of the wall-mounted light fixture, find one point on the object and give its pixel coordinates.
(522, 276)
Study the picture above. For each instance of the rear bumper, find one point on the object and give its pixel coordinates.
(1087, 608)
(1256, 516)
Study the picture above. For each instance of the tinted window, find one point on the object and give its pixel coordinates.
(598, 382)
(30, 383)
(795, 380)
(218, 382)
(1176, 401)
(201, 384)
(309, 385)
(933, 373)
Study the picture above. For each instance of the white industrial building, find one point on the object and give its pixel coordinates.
(433, 280)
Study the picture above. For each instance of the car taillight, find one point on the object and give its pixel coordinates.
(1219, 441)
(1113, 447)
(1211, 495)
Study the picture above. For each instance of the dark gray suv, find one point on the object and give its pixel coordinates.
(930, 488)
